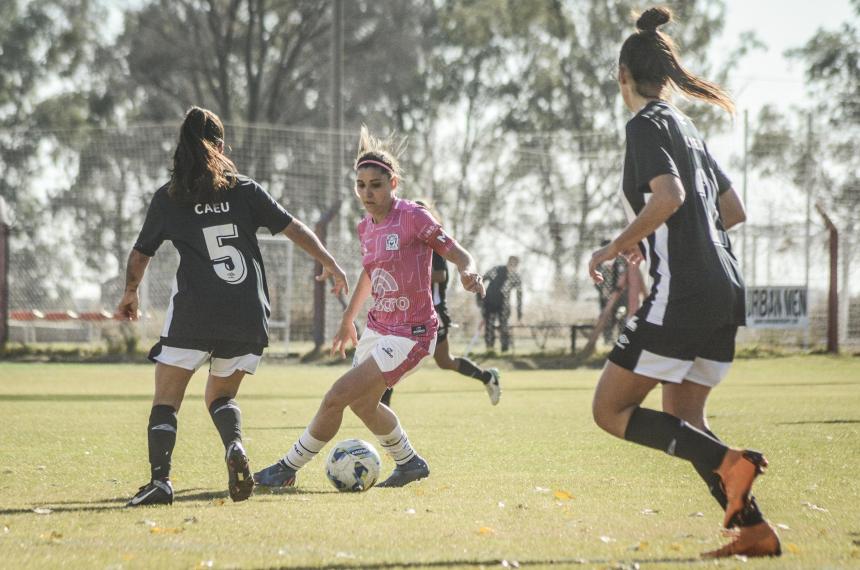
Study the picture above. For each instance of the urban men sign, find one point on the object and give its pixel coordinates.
(777, 307)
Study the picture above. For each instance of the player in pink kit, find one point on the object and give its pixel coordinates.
(398, 238)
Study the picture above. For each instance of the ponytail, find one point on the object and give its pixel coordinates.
(200, 168)
(653, 61)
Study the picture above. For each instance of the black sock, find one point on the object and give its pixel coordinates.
(227, 417)
(468, 368)
(386, 397)
(750, 515)
(161, 436)
(665, 432)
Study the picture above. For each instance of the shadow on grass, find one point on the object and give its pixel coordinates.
(119, 503)
(615, 563)
(817, 422)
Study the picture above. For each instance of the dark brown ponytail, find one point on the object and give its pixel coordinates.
(652, 59)
(200, 168)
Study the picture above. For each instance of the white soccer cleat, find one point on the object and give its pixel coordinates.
(494, 390)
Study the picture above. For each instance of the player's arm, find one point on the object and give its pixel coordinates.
(346, 332)
(469, 276)
(667, 195)
(134, 271)
(303, 237)
(732, 210)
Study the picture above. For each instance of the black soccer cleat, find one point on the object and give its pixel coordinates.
(156, 492)
(240, 483)
(276, 475)
(413, 470)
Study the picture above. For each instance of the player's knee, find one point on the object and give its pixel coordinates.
(334, 400)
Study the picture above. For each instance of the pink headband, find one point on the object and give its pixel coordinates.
(374, 163)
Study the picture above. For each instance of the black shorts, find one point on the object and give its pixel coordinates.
(674, 354)
(444, 323)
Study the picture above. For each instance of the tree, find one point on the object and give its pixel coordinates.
(45, 49)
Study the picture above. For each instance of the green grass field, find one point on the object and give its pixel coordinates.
(531, 482)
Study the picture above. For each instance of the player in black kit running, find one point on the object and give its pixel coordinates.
(219, 307)
(683, 336)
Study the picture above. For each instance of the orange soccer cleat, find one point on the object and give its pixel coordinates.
(737, 473)
(756, 540)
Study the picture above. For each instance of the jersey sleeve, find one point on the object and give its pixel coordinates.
(267, 211)
(151, 235)
(649, 151)
(429, 231)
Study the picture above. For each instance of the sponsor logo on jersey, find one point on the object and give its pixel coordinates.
(389, 351)
(622, 342)
(219, 208)
(442, 238)
(392, 242)
(381, 284)
(419, 329)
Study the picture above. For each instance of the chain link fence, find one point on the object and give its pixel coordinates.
(548, 200)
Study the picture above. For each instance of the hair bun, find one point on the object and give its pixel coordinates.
(653, 18)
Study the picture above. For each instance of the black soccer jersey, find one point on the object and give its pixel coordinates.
(696, 278)
(439, 288)
(220, 290)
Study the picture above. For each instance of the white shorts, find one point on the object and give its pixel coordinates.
(396, 356)
(191, 359)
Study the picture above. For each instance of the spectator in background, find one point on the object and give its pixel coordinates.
(614, 281)
(499, 281)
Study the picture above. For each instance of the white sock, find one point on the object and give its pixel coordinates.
(303, 450)
(396, 444)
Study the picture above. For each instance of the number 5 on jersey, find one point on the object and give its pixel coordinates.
(228, 262)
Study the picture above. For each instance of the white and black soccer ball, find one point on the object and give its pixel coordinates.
(353, 466)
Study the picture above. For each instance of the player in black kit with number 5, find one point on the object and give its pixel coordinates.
(219, 308)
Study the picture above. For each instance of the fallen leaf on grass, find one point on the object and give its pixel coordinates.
(793, 548)
(218, 502)
(675, 546)
(511, 564)
(562, 495)
(606, 539)
(41, 467)
(53, 535)
(643, 545)
(165, 530)
(501, 504)
(814, 507)
(43, 511)
(648, 512)
(740, 558)
(344, 555)
(147, 522)
(697, 514)
(782, 526)
(206, 564)
(541, 490)
(418, 491)
(190, 520)
(486, 531)
(410, 511)
(5, 529)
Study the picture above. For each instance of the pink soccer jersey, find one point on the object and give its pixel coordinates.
(396, 254)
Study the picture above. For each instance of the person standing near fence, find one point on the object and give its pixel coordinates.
(219, 307)
(397, 239)
(683, 336)
(442, 355)
(496, 305)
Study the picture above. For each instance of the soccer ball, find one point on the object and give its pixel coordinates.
(352, 466)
